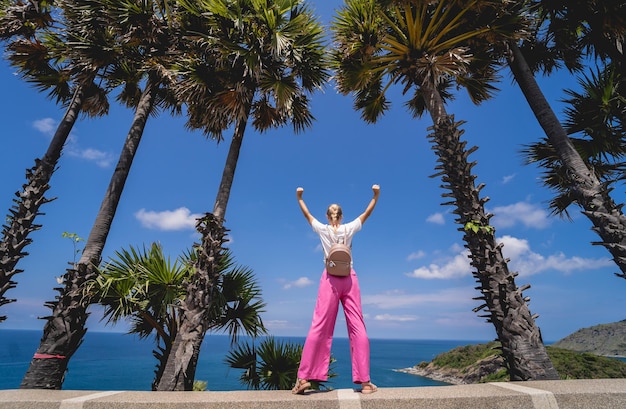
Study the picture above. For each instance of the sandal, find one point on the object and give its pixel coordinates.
(301, 386)
(368, 387)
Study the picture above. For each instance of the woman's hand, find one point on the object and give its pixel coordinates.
(376, 190)
(299, 192)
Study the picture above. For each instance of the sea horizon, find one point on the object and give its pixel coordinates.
(109, 360)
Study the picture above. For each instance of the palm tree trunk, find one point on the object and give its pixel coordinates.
(181, 365)
(26, 208)
(100, 230)
(180, 369)
(228, 175)
(522, 345)
(65, 328)
(162, 354)
(608, 219)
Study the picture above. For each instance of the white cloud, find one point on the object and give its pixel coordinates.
(454, 267)
(179, 219)
(436, 218)
(416, 255)
(522, 260)
(397, 318)
(102, 159)
(299, 283)
(508, 178)
(46, 126)
(527, 262)
(456, 248)
(528, 214)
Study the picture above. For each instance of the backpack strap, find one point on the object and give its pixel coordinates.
(333, 236)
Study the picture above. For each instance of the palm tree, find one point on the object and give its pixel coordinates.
(145, 287)
(42, 56)
(251, 60)
(142, 35)
(574, 31)
(585, 185)
(594, 120)
(424, 46)
(270, 365)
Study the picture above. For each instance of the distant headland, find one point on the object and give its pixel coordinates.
(588, 353)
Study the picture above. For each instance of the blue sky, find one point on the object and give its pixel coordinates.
(415, 277)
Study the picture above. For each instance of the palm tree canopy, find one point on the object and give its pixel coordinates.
(24, 18)
(68, 52)
(566, 33)
(146, 286)
(147, 41)
(411, 43)
(270, 365)
(143, 284)
(257, 56)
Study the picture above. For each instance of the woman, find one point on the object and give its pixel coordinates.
(333, 289)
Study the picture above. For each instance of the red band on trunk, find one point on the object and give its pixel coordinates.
(46, 356)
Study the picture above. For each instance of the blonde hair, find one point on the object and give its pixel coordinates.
(334, 212)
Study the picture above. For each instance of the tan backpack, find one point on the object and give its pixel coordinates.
(339, 260)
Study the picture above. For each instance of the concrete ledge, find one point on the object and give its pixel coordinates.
(574, 394)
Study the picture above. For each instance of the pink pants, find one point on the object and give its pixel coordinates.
(316, 353)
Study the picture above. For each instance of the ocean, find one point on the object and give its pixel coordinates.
(116, 361)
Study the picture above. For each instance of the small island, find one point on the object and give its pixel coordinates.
(589, 353)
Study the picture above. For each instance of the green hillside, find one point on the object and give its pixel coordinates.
(483, 363)
(603, 339)
(589, 353)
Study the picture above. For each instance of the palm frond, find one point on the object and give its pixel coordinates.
(244, 357)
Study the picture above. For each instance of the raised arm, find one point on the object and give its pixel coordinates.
(305, 210)
(371, 205)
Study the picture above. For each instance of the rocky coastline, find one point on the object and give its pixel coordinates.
(480, 363)
(434, 375)
(473, 373)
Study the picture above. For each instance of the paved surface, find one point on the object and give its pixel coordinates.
(574, 394)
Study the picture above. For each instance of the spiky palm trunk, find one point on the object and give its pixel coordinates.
(62, 334)
(608, 219)
(522, 345)
(65, 328)
(180, 369)
(30, 199)
(181, 365)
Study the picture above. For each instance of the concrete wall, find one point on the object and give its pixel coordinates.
(574, 394)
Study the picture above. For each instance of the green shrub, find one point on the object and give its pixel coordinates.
(467, 355)
(199, 386)
(577, 365)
